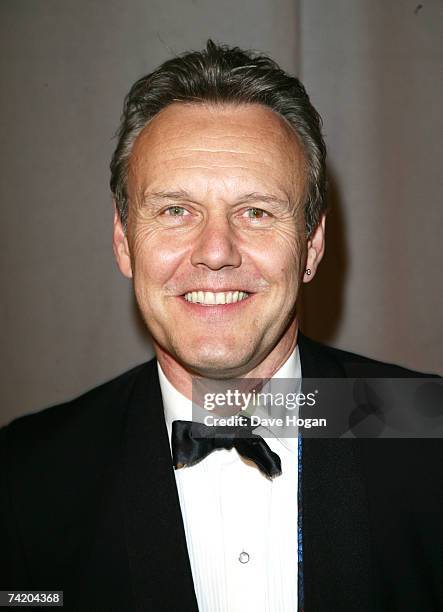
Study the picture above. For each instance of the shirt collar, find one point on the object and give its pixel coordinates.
(178, 407)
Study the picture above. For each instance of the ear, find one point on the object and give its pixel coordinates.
(316, 248)
(121, 247)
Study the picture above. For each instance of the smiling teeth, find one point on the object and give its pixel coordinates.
(209, 298)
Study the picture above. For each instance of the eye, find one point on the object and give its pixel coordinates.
(256, 213)
(176, 211)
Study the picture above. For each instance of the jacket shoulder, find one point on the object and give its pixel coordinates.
(356, 365)
(89, 419)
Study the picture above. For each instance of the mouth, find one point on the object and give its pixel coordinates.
(219, 298)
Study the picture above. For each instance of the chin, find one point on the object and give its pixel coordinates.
(213, 361)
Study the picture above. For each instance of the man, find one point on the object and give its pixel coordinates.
(219, 183)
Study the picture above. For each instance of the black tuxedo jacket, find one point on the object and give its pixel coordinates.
(88, 505)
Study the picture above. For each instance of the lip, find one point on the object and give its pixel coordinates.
(216, 309)
(217, 290)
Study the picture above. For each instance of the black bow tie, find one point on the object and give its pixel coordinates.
(191, 442)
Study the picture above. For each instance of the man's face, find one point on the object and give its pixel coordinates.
(216, 215)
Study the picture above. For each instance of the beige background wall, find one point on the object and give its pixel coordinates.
(372, 69)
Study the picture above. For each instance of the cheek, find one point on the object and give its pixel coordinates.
(279, 258)
(155, 256)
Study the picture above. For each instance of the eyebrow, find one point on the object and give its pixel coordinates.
(182, 195)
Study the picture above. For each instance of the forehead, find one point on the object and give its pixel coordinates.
(210, 144)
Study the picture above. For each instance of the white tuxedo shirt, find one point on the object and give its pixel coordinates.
(241, 528)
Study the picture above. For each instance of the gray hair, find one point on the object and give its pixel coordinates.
(222, 74)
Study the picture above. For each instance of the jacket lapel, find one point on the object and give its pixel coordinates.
(336, 541)
(155, 537)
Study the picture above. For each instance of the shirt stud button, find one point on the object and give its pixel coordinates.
(243, 557)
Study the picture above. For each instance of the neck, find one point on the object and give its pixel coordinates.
(181, 377)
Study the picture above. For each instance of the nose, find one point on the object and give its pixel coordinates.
(216, 246)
